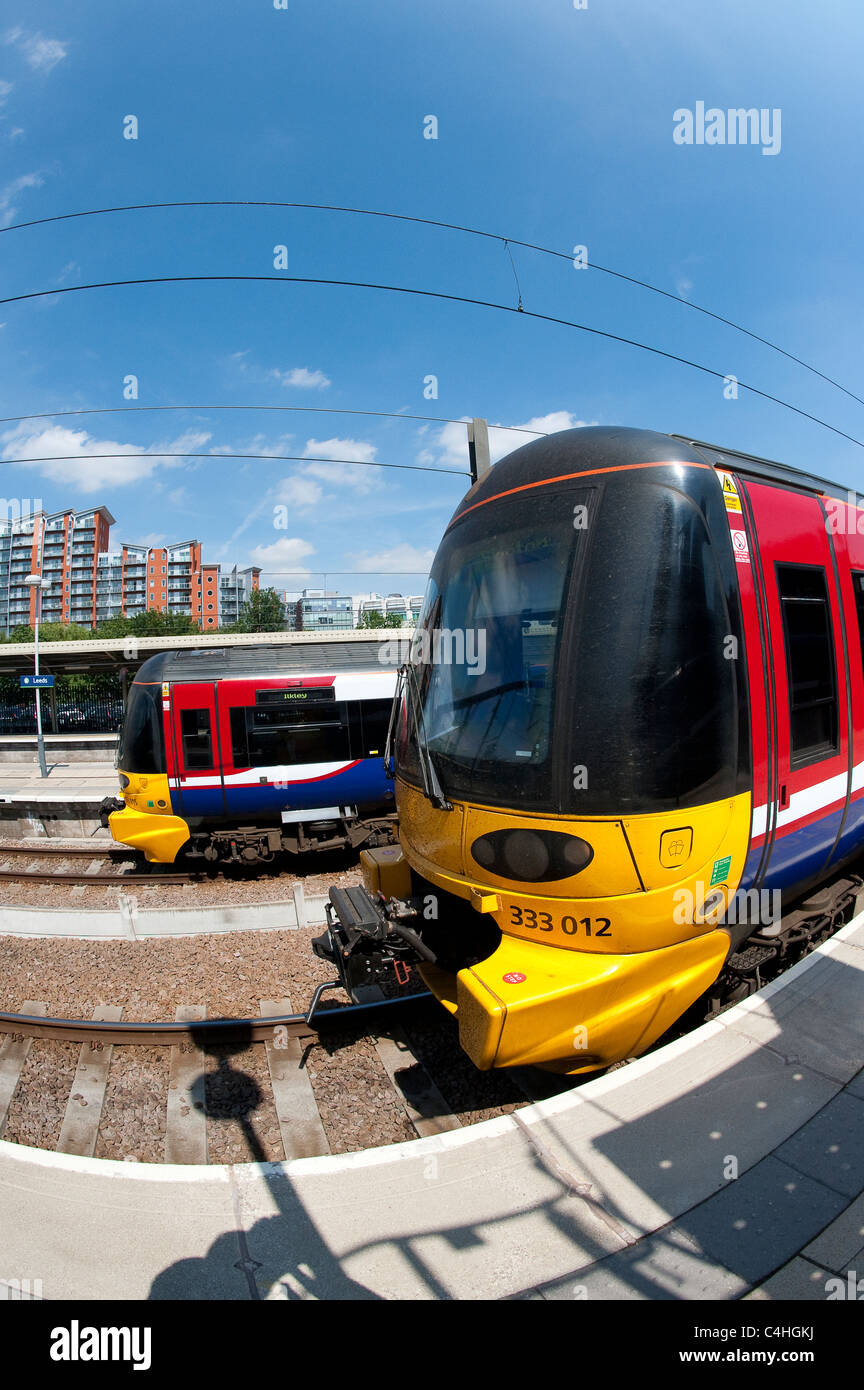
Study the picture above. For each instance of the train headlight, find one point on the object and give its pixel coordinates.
(532, 856)
(124, 781)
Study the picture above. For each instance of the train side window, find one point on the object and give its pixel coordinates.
(813, 712)
(858, 586)
(197, 742)
(309, 734)
(239, 741)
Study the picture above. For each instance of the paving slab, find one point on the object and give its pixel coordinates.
(855, 1087)
(670, 1141)
(665, 1266)
(98, 1229)
(762, 1219)
(828, 1039)
(840, 1246)
(830, 1147)
(798, 1281)
(428, 1221)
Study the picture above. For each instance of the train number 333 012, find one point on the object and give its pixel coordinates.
(570, 926)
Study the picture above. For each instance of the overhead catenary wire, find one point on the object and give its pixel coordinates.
(448, 226)
(431, 294)
(308, 409)
(221, 454)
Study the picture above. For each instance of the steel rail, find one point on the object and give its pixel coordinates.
(207, 1032)
(118, 879)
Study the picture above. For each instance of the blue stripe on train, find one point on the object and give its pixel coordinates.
(800, 854)
(361, 785)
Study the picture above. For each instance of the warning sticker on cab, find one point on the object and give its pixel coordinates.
(720, 870)
(740, 546)
(730, 493)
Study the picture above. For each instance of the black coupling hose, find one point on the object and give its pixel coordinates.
(413, 940)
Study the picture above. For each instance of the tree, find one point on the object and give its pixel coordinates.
(376, 619)
(155, 624)
(63, 632)
(263, 611)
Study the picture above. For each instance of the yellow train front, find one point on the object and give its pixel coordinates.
(572, 758)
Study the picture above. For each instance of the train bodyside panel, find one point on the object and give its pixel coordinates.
(265, 753)
(807, 823)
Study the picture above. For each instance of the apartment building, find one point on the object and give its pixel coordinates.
(86, 583)
(61, 546)
(395, 606)
(234, 589)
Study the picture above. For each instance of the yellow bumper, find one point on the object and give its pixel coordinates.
(534, 1005)
(159, 836)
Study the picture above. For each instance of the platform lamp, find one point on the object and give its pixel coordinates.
(36, 581)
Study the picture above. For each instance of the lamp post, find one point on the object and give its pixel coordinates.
(36, 581)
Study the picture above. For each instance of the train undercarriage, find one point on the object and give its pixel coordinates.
(254, 844)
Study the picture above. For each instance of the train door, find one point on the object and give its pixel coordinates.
(797, 575)
(199, 786)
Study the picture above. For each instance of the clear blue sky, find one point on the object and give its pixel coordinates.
(555, 126)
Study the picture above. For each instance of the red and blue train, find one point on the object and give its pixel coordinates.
(665, 737)
(240, 752)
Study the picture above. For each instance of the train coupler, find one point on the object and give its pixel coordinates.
(107, 807)
(368, 940)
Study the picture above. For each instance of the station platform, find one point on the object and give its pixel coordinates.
(63, 804)
(726, 1165)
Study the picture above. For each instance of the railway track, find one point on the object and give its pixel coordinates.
(263, 1080)
(125, 866)
(331, 1079)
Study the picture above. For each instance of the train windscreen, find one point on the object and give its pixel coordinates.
(581, 669)
(485, 650)
(142, 740)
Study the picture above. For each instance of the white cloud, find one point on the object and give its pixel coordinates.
(11, 190)
(403, 558)
(178, 496)
(683, 286)
(5, 89)
(503, 441)
(282, 557)
(257, 445)
(299, 492)
(363, 478)
(42, 54)
(74, 454)
(302, 377)
(452, 440)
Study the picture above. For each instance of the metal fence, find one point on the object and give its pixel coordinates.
(79, 714)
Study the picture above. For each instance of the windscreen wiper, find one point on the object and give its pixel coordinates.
(432, 788)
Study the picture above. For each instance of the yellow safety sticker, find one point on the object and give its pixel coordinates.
(730, 493)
